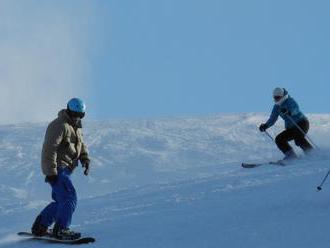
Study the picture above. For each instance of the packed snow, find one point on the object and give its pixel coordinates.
(175, 182)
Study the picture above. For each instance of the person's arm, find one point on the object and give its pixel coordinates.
(273, 117)
(84, 155)
(53, 138)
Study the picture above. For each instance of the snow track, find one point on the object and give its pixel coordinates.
(175, 183)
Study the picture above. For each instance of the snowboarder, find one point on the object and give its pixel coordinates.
(286, 107)
(62, 149)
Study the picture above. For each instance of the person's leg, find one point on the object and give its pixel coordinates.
(300, 139)
(282, 140)
(47, 216)
(67, 200)
(37, 228)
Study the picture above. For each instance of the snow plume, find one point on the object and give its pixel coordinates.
(43, 56)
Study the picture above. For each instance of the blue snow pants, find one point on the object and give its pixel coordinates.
(64, 195)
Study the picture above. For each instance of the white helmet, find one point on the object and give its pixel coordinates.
(278, 92)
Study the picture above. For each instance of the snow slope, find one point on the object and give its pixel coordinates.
(175, 183)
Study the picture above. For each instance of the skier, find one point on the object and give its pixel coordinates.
(286, 107)
(62, 149)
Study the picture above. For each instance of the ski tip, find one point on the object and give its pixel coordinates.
(85, 240)
(90, 240)
(248, 166)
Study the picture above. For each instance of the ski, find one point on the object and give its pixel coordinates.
(48, 238)
(254, 165)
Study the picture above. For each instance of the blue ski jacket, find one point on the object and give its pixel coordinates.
(291, 105)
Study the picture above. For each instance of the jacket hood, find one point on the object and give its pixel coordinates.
(285, 92)
(64, 116)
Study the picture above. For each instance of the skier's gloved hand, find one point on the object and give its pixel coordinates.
(51, 179)
(263, 127)
(285, 111)
(85, 164)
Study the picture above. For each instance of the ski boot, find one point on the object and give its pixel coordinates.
(289, 156)
(65, 233)
(38, 229)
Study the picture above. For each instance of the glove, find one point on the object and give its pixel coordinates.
(51, 179)
(263, 127)
(85, 164)
(285, 111)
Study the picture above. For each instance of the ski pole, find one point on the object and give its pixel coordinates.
(319, 188)
(302, 131)
(269, 136)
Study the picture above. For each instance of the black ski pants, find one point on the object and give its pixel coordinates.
(282, 140)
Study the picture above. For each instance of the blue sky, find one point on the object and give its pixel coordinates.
(156, 58)
(179, 57)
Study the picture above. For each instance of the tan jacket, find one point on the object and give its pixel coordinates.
(63, 145)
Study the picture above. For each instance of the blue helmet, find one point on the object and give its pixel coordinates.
(76, 105)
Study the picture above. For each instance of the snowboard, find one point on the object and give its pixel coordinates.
(48, 238)
(254, 165)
